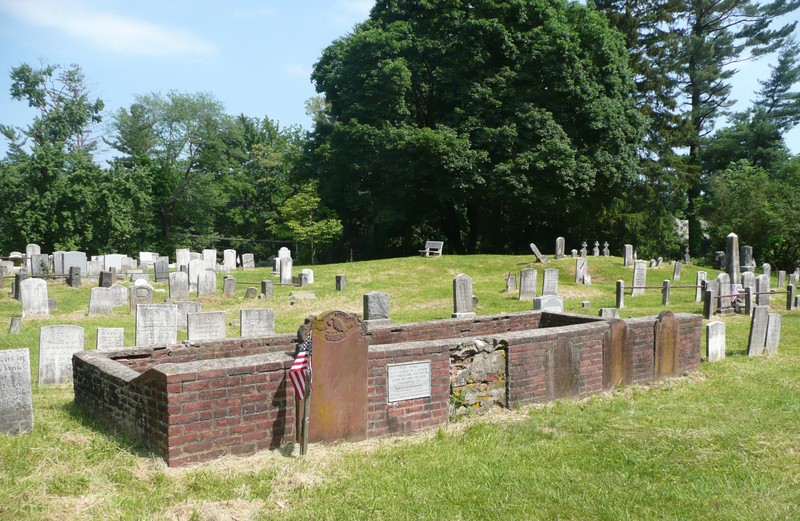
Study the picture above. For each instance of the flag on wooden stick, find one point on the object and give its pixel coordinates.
(300, 373)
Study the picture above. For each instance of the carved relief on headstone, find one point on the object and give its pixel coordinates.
(140, 295)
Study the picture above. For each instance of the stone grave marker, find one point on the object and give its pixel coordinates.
(563, 362)
(185, 307)
(617, 353)
(309, 274)
(723, 291)
(206, 325)
(746, 258)
(33, 296)
(257, 322)
(574, 253)
(639, 278)
(606, 251)
(14, 325)
(559, 248)
(110, 338)
(113, 260)
(16, 396)
(31, 250)
(207, 283)
(106, 279)
(193, 255)
(550, 282)
(627, 255)
(18, 278)
(40, 264)
(57, 344)
(251, 292)
(748, 279)
(766, 269)
(156, 325)
(781, 278)
(182, 258)
(140, 295)
(93, 268)
(552, 303)
(267, 288)
(161, 269)
(248, 261)
(715, 341)
(608, 313)
(462, 297)
(653, 263)
(101, 301)
(119, 295)
(135, 277)
(286, 270)
(74, 277)
(583, 251)
(719, 260)
(179, 285)
(732, 266)
(284, 252)
(701, 277)
(659, 262)
(676, 271)
(376, 308)
(341, 282)
(210, 259)
(302, 280)
(75, 259)
(757, 340)
(229, 287)
(581, 269)
(229, 259)
(596, 249)
(538, 254)
(527, 283)
(511, 282)
(666, 345)
(773, 338)
(196, 267)
(762, 290)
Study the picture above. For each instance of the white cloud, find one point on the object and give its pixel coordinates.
(107, 31)
(297, 70)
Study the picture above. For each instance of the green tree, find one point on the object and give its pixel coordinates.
(776, 98)
(488, 124)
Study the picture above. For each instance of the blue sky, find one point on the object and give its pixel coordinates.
(254, 56)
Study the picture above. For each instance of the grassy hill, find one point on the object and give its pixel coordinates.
(719, 444)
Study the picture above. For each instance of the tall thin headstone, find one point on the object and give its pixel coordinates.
(676, 271)
(527, 284)
(286, 270)
(229, 259)
(702, 276)
(773, 339)
(762, 290)
(550, 282)
(732, 267)
(766, 269)
(758, 331)
(462, 296)
(639, 278)
(715, 341)
(267, 288)
(581, 269)
(16, 397)
(196, 267)
(781, 278)
(627, 259)
(341, 282)
(559, 248)
(746, 258)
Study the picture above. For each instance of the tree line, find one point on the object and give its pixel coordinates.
(485, 124)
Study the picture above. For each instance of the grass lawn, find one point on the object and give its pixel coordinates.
(722, 443)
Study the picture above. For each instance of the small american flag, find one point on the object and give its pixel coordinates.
(301, 368)
(734, 293)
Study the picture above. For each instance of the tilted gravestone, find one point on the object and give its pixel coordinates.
(57, 344)
(462, 297)
(18, 278)
(16, 397)
(527, 284)
(376, 308)
(207, 325)
(156, 325)
(550, 282)
(538, 254)
(676, 271)
(309, 273)
(33, 296)
(773, 338)
(110, 338)
(256, 322)
(101, 301)
(757, 340)
(715, 341)
(179, 285)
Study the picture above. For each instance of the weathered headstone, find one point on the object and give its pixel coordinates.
(229, 259)
(286, 270)
(182, 258)
(30, 251)
(773, 339)
(302, 280)
(766, 269)
(527, 283)
(93, 268)
(552, 303)
(106, 279)
(210, 259)
(161, 269)
(581, 269)
(196, 267)
(75, 259)
(538, 254)
(511, 282)
(723, 289)
(179, 285)
(639, 278)
(341, 282)
(676, 271)
(257, 322)
(376, 308)
(574, 253)
(207, 283)
(110, 338)
(781, 278)
(284, 252)
(715, 341)
(666, 345)
(140, 295)
(596, 249)
(620, 297)
(14, 325)
(762, 290)
(206, 325)
(140, 276)
(617, 352)
(583, 251)
(653, 263)
(33, 296)
(462, 297)
(687, 259)
(267, 288)
(229, 287)
(606, 251)
(309, 275)
(40, 264)
(119, 295)
(627, 259)
(184, 307)
(248, 261)
(18, 278)
(550, 282)
(251, 293)
(757, 340)
(719, 260)
(16, 397)
(156, 325)
(746, 258)
(101, 301)
(701, 277)
(732, 266)
(57, 344)
(608, 313)
(748, 279)
(559, 248)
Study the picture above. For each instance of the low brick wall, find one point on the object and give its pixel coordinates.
(195, 402)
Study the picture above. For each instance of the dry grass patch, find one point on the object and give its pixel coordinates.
(231, 510)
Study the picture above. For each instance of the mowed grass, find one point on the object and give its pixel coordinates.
(723, 443)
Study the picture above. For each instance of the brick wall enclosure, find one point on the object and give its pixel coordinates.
(196, 401)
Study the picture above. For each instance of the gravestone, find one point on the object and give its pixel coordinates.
(207, 325)
(286, 270)
(608, 313)
(563, 363)
(606, 251)
(101, 301)
(376, 308)
(762, 290)
(229, 259)
(276, 269)
(33, 296)
(210, 259)
(113, 260)
(251, 293)
(184, 307)
(574, 254)
(119, 295)
(338, 408)
(75, 259)
(559, 248)
(341, 282)
(596, 249)
(723, 292)
(193, 255)
(207, 283)
(715, 341)
(627, 255)
(182, 258)
(110, 338)
(781, 278)
(257, 322)
(40, 264)
(666, 345)
(757, 340)
(550, 282)
(161, 269)
(676, 271)
(135, 277)
(639, 278)
(748, 280)
(701, 277)
(93, 268)
(284, 252)
(511, 282)
(179, 285)
(552, 303)
(719, 260)
(74, 277)
(30, 251)
(617, 353)
(248, 261)
(766, 269)
(156, 325)
(14, 325)
(229, 287)
(267, 288)
(583, 251)
(773, 339)
(106, 279)
(309, 273)
(140, 295)
(19, 276)
(196, 267)
(538, 254)
(653, 263)
(581, 269)
(659, 262)
(16, 396)
(687, 259)
(746, 258)
(462, 297)
(57, 344)
(302, 280)
(732, 266)
(527, 283)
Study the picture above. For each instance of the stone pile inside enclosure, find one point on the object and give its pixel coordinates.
(232, 396)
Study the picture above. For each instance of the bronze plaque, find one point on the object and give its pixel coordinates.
(617, 355)
(666, 345)
(564, 364)
(338, 408)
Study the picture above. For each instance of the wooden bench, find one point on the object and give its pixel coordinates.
(432, 248)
